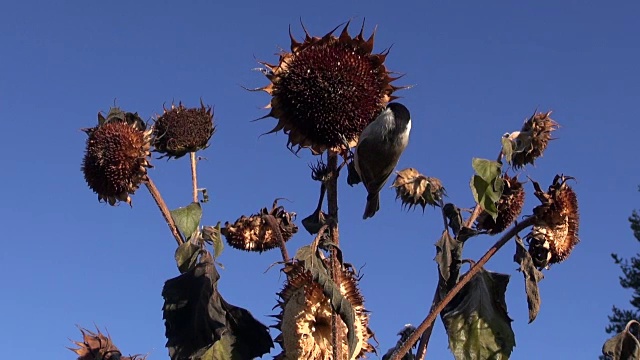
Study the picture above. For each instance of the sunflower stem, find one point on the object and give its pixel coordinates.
(155, 194)
(332, 204)
(194, 176)
(421, 352)
(273, 224)
(429, 320)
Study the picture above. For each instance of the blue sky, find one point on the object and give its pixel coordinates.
(480, 68)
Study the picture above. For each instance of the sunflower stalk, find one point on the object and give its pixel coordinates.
(194, 175)
(332, 205)
(155, 194)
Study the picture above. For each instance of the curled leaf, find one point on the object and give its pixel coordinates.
(532, 277)
(448, 255)
(625, 345)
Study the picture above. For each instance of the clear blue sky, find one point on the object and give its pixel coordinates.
(479, 68)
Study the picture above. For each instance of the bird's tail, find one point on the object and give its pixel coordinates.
(373, 205)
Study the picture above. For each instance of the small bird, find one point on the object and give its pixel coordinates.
(378, 151)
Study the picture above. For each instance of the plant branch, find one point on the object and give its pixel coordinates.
(421, 352)
(429, 320)
(194, 176)
(332, 205)
(155, 194)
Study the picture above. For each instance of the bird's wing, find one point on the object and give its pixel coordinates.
(375, 164)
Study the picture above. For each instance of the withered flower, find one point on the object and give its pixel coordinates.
(253, 233)
(530, 142)
(97, 346)
(327, 90)
(117, 156)
(555, 233)
(413, 188)
(305, 317)
(181, 130)
(509, 208)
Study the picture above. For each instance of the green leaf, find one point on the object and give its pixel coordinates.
(187, 218)
(532, 277)
(187, 256)
(508, 148)
(223, 349)
(486, 169)
(487, 185)
(477, 322)
(211, 234)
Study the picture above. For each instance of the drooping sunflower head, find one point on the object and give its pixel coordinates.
(509, 207)
(413, 188)
(531, 141)
(97, 346)
(555, 232)
(326, 90)
(117, 156)
(181, 130)
(305, 317)
(255, 232)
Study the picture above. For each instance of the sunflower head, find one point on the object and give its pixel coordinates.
(509, 207)
(326, 90)
(181, 130)
(555, 232)
(97, 346)
(254, 233)
(531, 141)
(116, 156)
(305, 317)
(413, 188)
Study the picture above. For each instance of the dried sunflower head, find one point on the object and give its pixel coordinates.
(97, 346)
(254, 233)
(181, 130)
(509, 208)
(117, 156)
(413, 188)
(326, 90)
(528, 144)
(555, 232)
(305, 317)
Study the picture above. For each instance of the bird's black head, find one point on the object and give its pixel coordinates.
(401, 114)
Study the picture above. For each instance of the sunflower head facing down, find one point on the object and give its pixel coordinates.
(326, 90)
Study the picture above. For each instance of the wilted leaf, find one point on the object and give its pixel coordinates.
(487, 185)
(196, 316)
(186, 256)
(448, 253)
(314, 222)
(476, 320)
(311, 260)
(187, 218)
(623, 346)
(532, 277)
(461, 232)
(211, 234)
(223, 349)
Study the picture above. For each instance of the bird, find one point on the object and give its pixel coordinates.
(378, 151)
